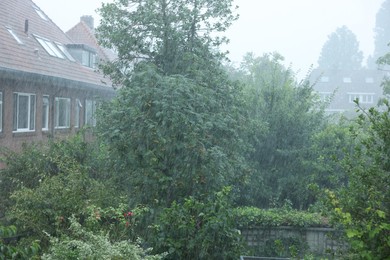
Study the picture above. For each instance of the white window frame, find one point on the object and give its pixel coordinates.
(50, 47)
(58, 110)
(347, 80)
(77, 111)
(40, 13)
(63, 49)
(14, 35)
(1, 112)
(324, 79)
(364, 98)
(369, 80)
(31, 109)
(90, 110)
(325, 96)
(45, 112)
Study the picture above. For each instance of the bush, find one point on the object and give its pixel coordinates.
(199, 230)
(248, 217)
(82, 244)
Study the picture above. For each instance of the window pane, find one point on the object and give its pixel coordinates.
(1, 111)
(32, 112)
(77, 113)
(23, 112)
(62, 112)
(90, 107)
(45, 112)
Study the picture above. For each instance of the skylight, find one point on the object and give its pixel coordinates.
(14, 35)
(65, 51)
(40, 13)
(50, 47)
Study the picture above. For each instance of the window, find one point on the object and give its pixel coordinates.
(40, 13)
(45, 113)
(325, 96)
(78, 107)
(363, 98)
(324, 79)
(369, 80)
(347, 80)
(50, 47)
(65, 51)
(88, 59)
(1, 112)
(90, 109)
(62, 112)
(24, 112)
(14, 35)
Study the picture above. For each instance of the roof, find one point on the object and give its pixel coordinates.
(27, 22)
(82, 33)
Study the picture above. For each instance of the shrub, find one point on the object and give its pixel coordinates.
(198, 229)
(82, 244)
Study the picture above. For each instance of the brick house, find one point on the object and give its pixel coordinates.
(49, 85)
(341, 87)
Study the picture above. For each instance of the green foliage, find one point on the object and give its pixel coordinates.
(44, 185)
(178, 37)
(382, 31)
(363, 206)
(10, 251)
(174, 137)
(195, 229)
(341, 51)
(83, 244)
(285, 117)
(248, 217)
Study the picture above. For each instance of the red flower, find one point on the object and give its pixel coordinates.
(128, 214)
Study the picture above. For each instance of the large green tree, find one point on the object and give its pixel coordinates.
(382, 33)
(289, 112)
(174, 129)
(178, 37)
(363, 205)
(341, 51)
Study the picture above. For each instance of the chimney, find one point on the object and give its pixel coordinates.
(88, 19)
(26, 26)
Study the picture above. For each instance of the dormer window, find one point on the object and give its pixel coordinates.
(347, 80)
(14, 35)
(324, 79)
(84, 54)
(40, 13)
(50, 47)
(369, 80)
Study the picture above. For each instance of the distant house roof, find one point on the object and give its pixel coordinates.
(84, 33)
(342, 87)
(32, 43)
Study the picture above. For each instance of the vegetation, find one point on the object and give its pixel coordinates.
(362, 207)
(189, 152)
(341, 51)
(382, 34)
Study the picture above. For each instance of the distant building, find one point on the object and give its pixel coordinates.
(48, 82)
(341, 87)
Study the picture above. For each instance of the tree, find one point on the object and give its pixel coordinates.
(341, 51)
(43, 185)
(178, 37)
(287, 117)
(171, 137)
(174, 129)
(363, 205)
(382, 32)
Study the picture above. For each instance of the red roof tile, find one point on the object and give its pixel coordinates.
(31, 56)
(82, 33)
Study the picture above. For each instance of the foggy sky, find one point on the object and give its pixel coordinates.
(297, 29)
